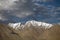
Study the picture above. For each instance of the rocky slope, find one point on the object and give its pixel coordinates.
(29, 33)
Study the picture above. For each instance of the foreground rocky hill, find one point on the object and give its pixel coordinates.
(29, 33)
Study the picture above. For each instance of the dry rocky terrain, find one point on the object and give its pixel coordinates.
(31, 33)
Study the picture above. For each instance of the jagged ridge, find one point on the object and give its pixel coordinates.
(29, 23)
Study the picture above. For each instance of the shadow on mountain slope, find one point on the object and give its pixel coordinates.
(7, 33)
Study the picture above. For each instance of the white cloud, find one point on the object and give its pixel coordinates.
(22, 13)
(16, 6)
(2, 17)
(7, 4)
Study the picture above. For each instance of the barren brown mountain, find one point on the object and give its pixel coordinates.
(7, 33)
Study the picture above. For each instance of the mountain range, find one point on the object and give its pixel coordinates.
(29, 24)
(31, 30)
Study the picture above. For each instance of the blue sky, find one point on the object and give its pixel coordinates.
(57, 2)
(22, 11)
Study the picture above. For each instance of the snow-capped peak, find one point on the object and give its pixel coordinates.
(29, 23)
(39, 24)
(14, 25)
